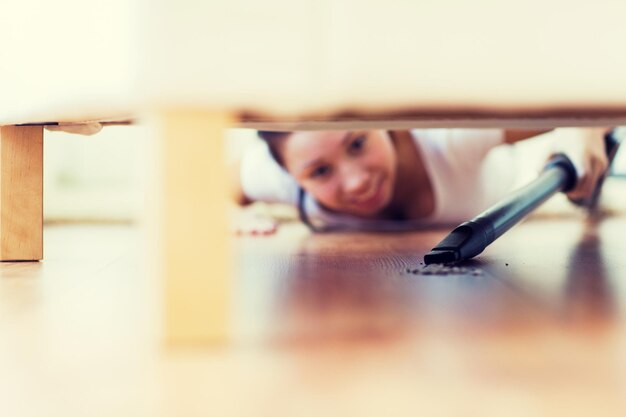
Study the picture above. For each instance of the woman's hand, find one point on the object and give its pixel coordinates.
(88, 128)
(586, 149)
(247, 222)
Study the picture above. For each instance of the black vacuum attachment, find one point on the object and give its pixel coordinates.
(472, 237)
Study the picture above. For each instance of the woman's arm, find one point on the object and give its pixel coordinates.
(584, 146)
(236, 189)
(245, 221)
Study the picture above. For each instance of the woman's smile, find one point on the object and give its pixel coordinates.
(374, 199)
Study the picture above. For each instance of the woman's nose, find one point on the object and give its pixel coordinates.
(356, 181)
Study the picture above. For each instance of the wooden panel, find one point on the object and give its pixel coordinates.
(21, 193)
(406, 118)
(37, 84)
(330, 56)
(325, 58)
(195, 255)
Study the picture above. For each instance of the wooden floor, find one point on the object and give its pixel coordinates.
(328, 325)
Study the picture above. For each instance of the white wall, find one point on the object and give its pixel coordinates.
(102, 177)
(93, 178)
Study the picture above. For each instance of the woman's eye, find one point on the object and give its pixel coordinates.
(320, 171)
(357, 144)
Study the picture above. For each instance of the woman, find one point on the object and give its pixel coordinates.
(403, 179)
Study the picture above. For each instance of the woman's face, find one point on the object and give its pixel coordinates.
(348, 172)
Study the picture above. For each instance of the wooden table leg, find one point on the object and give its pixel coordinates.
(195, 249)
(21, 193)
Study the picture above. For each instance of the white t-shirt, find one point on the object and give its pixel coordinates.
(469, 169)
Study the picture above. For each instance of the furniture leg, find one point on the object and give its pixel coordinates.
(196, 260)
(21, 193)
